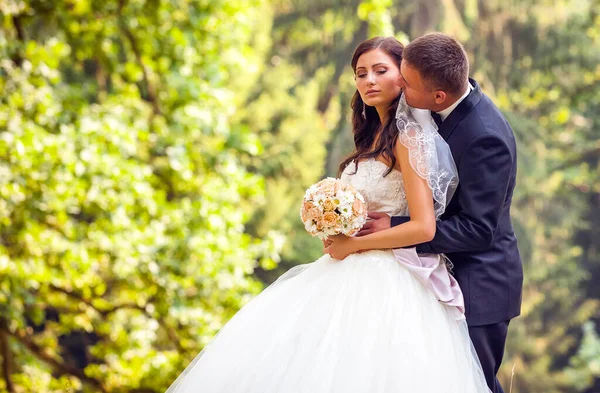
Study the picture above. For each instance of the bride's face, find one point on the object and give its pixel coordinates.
(376, 76)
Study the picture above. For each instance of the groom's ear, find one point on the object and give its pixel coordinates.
(440, 97)
(400, 82)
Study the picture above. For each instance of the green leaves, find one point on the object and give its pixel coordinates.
(123, 197)
(377, 13)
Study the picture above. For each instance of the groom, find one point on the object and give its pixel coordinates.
(475, 232)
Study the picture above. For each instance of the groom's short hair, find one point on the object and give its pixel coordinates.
(441, 61)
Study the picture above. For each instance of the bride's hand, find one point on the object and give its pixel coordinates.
(341, 246)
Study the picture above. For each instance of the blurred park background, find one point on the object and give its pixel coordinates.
(153, 155)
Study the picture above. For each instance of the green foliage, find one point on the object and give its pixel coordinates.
(123, 193)
(585, 365)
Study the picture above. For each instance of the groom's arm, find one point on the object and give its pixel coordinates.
(484, 175)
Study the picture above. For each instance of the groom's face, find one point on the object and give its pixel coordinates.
(418, 95)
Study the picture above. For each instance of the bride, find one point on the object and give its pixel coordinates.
(381, 318)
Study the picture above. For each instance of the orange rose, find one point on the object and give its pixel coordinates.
(306, 208)
(328, 205)
(304, 214)
(314, 214)
(319, 224)
(337, 186)
(327, 188)
(330, 219)
(338, 228)
(358, 207)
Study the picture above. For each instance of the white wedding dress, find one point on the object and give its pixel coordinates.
(365, 324)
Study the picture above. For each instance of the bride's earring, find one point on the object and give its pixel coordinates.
(364, 111)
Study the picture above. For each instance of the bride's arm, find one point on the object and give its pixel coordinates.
(420, 228)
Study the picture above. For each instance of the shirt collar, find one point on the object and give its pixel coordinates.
(446, 112)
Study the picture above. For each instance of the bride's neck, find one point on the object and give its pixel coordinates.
(383, 113)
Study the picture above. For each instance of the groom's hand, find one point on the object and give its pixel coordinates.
(378, 222)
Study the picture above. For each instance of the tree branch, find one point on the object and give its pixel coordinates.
(103, 312)
(16, 19)
(172, 334)
(101, 80)
(590, 88)
(74, 296)
(19, 27)
(7, 362)
(57, 365)
(584, 156)
(310, 11)
(146, 71)
(341, 61)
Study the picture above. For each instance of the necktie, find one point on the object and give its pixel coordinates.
(437, 118)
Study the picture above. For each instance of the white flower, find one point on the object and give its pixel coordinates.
(311, 190)
(310, 227)
(318, 199)
(345, 197)
(346, 210)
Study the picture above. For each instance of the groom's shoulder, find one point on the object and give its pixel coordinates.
(487, 104)
(486, 107)
(485, 122)
(487, 117)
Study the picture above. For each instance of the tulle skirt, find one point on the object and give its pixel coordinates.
(361, 325)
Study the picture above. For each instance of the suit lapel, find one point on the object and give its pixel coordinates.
(449, 125)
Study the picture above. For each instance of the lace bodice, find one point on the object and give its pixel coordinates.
(382, 194)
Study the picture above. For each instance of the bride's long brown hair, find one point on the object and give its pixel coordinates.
(366, 143)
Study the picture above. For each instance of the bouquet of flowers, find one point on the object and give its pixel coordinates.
(332, 208)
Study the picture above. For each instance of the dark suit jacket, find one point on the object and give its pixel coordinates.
(475, 231)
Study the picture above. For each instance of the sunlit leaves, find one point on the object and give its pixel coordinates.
(123, 197)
